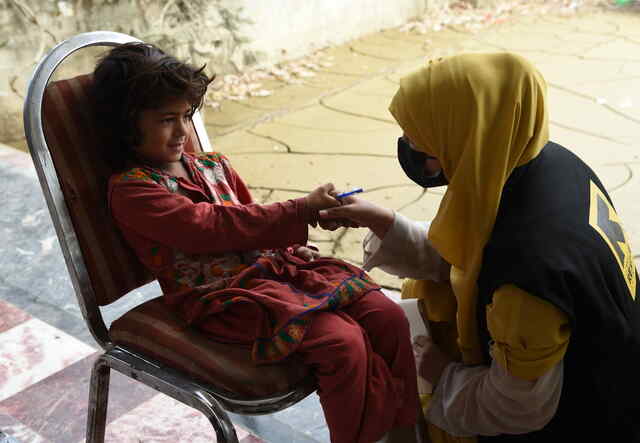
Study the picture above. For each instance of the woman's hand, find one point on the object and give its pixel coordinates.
(361, 213)
(430, 359)
(333, 224)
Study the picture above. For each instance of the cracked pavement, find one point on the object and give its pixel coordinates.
(337, 128)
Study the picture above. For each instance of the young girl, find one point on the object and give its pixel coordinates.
(240, 271)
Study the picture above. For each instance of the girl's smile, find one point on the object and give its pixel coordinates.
(165, 132)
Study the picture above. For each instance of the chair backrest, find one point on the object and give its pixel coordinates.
(66, 150)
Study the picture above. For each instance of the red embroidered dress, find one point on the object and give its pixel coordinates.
(213, 250)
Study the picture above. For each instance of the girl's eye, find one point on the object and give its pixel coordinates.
(166, 120)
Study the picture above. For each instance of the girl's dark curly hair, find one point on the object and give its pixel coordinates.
(134, 77)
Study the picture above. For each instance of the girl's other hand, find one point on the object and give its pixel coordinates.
(306, 253)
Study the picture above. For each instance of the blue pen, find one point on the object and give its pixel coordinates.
(346, 194)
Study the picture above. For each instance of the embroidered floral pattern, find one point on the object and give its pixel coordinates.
(287, 339)
(210, 159)
(134, 174)
(196, 270)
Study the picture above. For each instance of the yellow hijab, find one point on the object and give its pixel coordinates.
(481, 115)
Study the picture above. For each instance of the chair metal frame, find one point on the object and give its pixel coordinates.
(210, 400)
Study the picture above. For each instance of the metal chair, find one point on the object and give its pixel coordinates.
(148, 344)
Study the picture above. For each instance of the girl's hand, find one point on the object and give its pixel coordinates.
(306, 253)
(322, 197)
(361, 213)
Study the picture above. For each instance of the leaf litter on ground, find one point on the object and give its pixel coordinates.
(460, 15)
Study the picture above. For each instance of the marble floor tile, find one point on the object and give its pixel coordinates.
(19, 160)
(11, 316)
(33, 350)
(4, 438)
(271, 429)
(252, 439)
(307, 417)
(13, 431)
(56, 407)
(163, 419)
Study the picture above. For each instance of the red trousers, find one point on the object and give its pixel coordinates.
(363, 360)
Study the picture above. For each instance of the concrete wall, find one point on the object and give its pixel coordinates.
(290, 28)
(230, 35)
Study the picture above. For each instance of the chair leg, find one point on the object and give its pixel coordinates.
(98, 400)
(217, 416)
(224, 432)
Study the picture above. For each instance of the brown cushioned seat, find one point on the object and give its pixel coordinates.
(153, 330)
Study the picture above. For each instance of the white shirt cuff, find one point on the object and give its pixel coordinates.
(404, 251)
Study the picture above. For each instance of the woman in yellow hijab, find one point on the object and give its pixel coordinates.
(525, 272)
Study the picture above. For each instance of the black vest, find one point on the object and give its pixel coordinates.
(557, 237)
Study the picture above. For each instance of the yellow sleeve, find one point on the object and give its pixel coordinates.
(530, 335)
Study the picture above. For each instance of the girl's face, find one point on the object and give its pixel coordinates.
(165, 131)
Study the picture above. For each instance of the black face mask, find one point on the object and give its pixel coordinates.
(412, 163)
